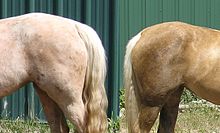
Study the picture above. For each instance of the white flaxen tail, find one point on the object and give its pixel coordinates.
(129, 85)
(94, 95)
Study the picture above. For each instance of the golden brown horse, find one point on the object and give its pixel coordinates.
(66, 62)
(159, 62)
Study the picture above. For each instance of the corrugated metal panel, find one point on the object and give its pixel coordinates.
(96, 13)
(115, 51)
(134, 15)
(214, 14)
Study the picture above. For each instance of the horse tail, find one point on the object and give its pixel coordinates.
(94, 94)
(129, 85)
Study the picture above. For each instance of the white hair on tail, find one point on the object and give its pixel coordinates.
(130, 99)
(94, 95)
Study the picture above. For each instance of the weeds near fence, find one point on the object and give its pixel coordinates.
(114, 125)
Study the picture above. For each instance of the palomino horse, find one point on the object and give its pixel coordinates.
(66, 62)
(159, 62)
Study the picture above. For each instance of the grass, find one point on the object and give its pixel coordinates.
(34, 126)
(21, 126)
(199, 117)
(196, 119)
(28, 126)
(199, 120)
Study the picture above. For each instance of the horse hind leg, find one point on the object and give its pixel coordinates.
(53, 113)
(169, 112)
(69, 99)
(140, 117)
(147, 117)
(75, 112)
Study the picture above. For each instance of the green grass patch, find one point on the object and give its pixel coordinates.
(21, 126)
(34, 126)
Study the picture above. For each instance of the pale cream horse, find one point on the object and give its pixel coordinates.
(66, 62)
(159, 62)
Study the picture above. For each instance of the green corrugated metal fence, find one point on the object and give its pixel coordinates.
(96, 13)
